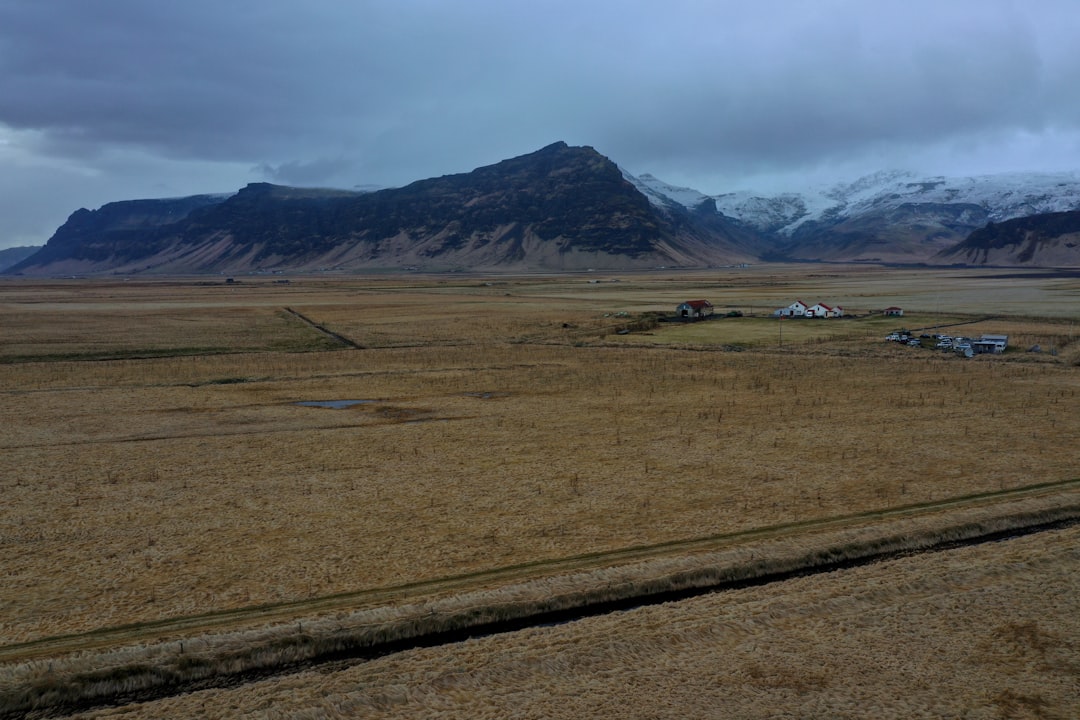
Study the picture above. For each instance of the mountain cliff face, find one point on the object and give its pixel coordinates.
(885, 217)
(117, 232)
(560, 208)
(1051, 239)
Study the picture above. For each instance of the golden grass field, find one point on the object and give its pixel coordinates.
(156, 465)
(985, 632)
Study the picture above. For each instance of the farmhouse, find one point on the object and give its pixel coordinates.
(801, 309)
(694, 309)
(893, 311)
(795, 309)
(821, 310)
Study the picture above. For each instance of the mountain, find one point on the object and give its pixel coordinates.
(560, 208)
(890, 216)
(15, 255)
(118, 231)
(1050, 239)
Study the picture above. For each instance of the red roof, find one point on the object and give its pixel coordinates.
(890, 308)
(698, 304)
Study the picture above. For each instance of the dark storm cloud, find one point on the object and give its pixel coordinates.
(118, 95)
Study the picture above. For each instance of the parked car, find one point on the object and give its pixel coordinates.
(914, 342)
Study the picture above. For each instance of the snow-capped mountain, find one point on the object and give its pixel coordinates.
(893, 216)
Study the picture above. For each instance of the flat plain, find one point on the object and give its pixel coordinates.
(156, 463)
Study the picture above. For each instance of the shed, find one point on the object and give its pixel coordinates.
(991, 343)
(893, 311)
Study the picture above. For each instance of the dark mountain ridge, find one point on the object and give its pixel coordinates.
(566, 208)
(560, 208)
(1047, 239)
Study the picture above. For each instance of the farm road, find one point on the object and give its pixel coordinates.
(325, 331)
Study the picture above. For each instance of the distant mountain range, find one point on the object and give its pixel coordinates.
(569, 208)
(895, 217)
(15, 255)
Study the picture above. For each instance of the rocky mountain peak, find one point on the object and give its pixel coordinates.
(560, 208)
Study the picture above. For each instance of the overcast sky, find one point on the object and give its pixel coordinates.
(104, 100)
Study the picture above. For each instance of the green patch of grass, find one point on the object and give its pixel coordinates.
(130, 354)
(746, 332)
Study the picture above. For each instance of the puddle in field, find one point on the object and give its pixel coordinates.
(332, 404)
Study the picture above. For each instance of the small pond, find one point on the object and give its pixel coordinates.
(332, 404)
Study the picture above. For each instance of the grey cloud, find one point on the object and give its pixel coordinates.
(386, 92)
(315, 172)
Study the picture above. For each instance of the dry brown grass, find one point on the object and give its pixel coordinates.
(981, 632)
(172, 498)
(507, 426)
(67, 673)
(139, 489)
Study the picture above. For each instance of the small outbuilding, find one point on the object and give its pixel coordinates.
(694, 309)
(990, 344)
(893, 311)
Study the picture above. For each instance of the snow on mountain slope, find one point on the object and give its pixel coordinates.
(662, 194)
(1003, 196)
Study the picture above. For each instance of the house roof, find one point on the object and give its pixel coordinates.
(891, 307)
(698, 304)
(823, 305)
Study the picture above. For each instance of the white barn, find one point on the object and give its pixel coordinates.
(821, 310)
(795, 309)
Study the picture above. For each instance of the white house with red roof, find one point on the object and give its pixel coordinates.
(795, 309)
(821, 310)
